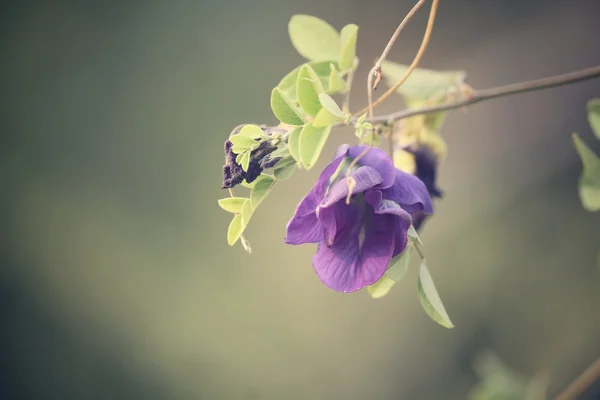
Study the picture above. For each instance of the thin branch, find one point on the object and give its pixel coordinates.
(477, 96)
(414, 63)
(581, 383)
(375, 72)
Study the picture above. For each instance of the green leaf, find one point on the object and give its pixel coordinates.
(381, 287)
(235, 230)
(325, 118)
(245, 161)
(252, 131)
(261, 189)
(593, 110)
(422, 83)
(285, 172)
(248, 185)
(285, 161)
(412, 233)
(430, 299)
(399, 265)
(395, 273)
(433, 121)
(335, 82)
(589, 182)
(321, 68)
(314, 38)
(241, 143)
(308, 88)
(294, 143)
(284, 109)
(312, 140)
(328, 103)
(348, 41)
(247, 212)
(232, 204)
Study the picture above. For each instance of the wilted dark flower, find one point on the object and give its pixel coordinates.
(358, 240)
(233, 174)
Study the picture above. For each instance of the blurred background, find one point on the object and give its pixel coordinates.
(116, 280)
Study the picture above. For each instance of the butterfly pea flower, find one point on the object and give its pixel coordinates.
(358, 238)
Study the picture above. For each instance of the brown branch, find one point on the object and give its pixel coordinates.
(477, 96)
(581, 383)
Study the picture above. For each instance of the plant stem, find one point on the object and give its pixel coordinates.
(477, 96)
(581, 383)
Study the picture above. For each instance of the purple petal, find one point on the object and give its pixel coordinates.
(303, 229)
(410, 193)
(348, 266)
(341, 151)
(365, 178)
(402, 222)
(377, 159)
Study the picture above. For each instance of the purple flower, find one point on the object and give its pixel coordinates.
(357, 240)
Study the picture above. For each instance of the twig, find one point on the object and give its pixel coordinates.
(414, 63)
(375, 72)
(581, 383)
(477, 96)
(349, 79)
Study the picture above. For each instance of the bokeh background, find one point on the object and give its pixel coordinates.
(116, 280)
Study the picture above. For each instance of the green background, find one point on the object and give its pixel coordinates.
(117, 281)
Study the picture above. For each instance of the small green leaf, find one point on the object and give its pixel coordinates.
(245, 161)
(430, 299)
(412, 233)
(325, 118)
(261, 189)
(394, 274)
(312, 140)
(247, 212)
(252, 131)
(399, 265)
(314, 38)
(335, 82)
(328, 103)
(241, 143)
(285, 161)
(381, 287)
(285, 172)
(321, 68)
(589, 182)
(348, 41)
(232, 204)
(593, 110)
(308, 89)
(422, 83)
(235, 230)
(284, 109)
(238, 158)
(248, 185)
(294, 143)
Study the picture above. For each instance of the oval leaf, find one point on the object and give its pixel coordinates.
(308, 88)
(325, 118)
(261, 189)
(589, 182)
(235, 230)
(252, 131)
(285, 172)
(348, 51)
(247, 212)
(335, 82)
(321, 68)
(381, 287)
(328, 103)
(294, 143)
(232, 204)
(399, 265)
(245, 161)
(284, 109)
(241, 143)
(312, 140)
(314, 38)
(430, 299)
(422, 83)
(593, 110)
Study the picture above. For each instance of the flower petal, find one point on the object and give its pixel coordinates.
(348, 266)
(410, 193)
(378, 159)
(365, 178)
(402, 222)
(303, 229)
